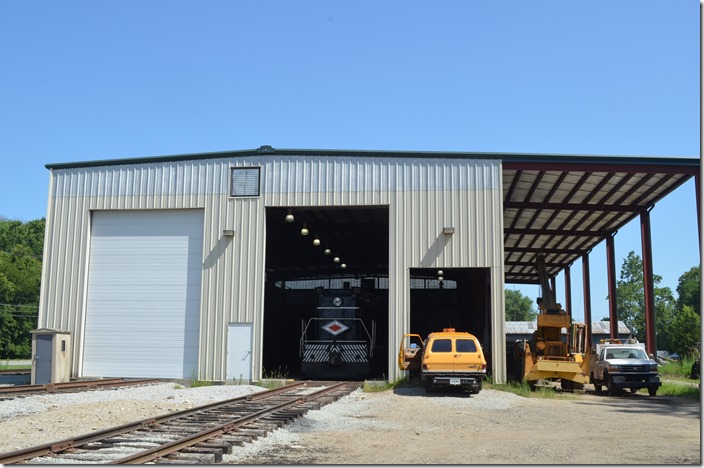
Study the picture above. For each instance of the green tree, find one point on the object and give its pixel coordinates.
(630, 301)
(21, 246)
(519, 308)
(684, 330)
(689, 290)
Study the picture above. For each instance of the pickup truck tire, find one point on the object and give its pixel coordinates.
(597, 386)
(652, 391)
(428, 383)
(613, 391)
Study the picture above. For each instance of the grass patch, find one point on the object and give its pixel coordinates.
(15, 366)
(679, 390)
(676, 370)
(523, 389)
(201, 383)
(382, 385)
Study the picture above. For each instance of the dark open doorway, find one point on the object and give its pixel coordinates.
(326, 298)
(456, 298)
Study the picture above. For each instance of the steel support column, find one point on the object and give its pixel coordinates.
(568, 292)
(611, 277)
(587, 297)
(650, 342)
(697, 194)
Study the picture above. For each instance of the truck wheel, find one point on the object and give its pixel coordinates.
(613, 391)
(694, 374)
(597, 386)
(429, 385)
(633, 390)
(652, 391)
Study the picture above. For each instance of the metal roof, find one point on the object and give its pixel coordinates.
(564, 207)
(559, 205)
(598, 328)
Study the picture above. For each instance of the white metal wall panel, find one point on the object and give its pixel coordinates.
(143, 304)
(423, 195)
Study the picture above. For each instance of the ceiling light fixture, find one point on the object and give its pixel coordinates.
(304, 230)
(289, 216)
(327, 251)
(336, 259)
(344, 265)
(316, 241)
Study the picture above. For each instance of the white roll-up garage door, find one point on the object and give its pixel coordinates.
(143, 304)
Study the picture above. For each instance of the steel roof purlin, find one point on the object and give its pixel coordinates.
(582, 202)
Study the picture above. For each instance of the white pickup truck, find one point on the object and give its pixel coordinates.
(623, 365)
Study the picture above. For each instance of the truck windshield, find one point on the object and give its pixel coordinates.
(627, 353)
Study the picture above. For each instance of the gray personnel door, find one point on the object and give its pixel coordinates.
(239, 352)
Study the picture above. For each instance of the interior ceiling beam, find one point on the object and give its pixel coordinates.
(557, 232)
(548, 250)
(571, 207)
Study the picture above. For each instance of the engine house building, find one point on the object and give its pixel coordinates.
(212, 266)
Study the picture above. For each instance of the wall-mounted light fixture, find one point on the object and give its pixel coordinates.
(304, 230)
(448, 230)
(289, 217)
(228, 232)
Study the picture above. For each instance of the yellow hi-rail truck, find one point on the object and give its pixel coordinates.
(549, 356)
(444, 359)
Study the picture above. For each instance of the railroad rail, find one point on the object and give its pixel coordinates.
(13, 391)
(201, 434)
(15, 371)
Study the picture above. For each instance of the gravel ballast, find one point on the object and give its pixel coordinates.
(401, 426)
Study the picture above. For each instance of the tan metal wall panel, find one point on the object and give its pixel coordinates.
(423, 195)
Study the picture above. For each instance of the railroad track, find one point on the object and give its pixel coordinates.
(14, 391)
(198, 435)
(15, 371)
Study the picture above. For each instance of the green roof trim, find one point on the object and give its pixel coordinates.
(504, 157)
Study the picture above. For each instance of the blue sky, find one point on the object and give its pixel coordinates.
(86, 80)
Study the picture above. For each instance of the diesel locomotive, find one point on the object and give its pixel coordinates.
(337, 341)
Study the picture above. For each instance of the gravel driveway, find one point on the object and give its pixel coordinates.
(402, 426)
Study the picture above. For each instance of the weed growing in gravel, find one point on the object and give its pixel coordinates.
(201, 383)
(278, 373)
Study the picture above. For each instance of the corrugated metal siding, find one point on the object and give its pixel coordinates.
(423, 195)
